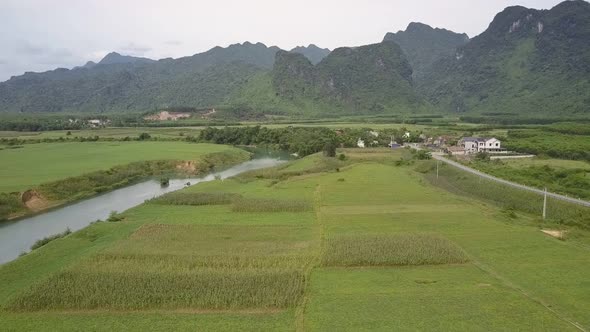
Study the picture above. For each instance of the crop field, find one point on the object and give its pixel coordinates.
(312, 245)
(34, 164)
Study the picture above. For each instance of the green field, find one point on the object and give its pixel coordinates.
(361, 245)
(33, 164)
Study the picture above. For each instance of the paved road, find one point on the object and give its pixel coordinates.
(516, 185)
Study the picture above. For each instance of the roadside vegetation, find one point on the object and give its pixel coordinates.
(558, 176)
(509, 198)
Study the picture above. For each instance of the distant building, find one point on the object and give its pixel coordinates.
(481, 144)
(360, 143)
(94, 123)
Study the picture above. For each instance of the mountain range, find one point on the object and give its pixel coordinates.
(528, 61)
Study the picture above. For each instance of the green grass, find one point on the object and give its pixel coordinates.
(458, 298)
(34, 164)
(186, 267)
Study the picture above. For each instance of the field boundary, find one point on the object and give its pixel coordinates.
(510, 183)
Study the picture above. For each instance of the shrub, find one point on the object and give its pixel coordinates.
(114, 217)
(342, 157)
(422, 155)
(482, 156)
(330, 149)
(164, 181)
(144, 136)
(40, 243)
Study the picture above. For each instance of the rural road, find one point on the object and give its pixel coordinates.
(509, 183)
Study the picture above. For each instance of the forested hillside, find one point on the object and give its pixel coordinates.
(527, 62)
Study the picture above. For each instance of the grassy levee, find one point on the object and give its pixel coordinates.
(382, 249)
(74, 187)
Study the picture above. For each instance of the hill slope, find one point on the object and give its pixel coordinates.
(368, 79)
(528, 62)
(127, 83)
(313, 53)
(425, 45)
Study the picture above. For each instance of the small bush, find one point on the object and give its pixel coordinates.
(391, 250)
(114, 217)
(164, 181)
(330, 149)
(422, 155)
(270, 205)
(482, 156)
(40, 243)
(342, 157)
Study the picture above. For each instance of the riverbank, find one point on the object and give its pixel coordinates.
(17, 237)
(196, 159)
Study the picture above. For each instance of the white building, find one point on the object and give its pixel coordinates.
(481, 144)
(360, 143)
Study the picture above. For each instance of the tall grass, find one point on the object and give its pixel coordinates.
(391, 250)
(467, 184)
(134, 289)
(184, 198)
(183, 267)
(10, 204)
(270, 205)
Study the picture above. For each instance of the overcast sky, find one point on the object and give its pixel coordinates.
(38, 35)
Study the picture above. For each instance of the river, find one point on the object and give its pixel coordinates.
(18, 236)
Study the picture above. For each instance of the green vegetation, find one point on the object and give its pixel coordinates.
(40, 243)
(511, 199)
(391, 250)
(371, 235)
(20, 167)
(58, 182)
(528, 62)
(552, 144)
(425, 46)
(556, 175)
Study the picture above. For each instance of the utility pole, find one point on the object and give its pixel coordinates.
(545, 205)
(437, 169)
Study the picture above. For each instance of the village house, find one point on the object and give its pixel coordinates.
(472, 145)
